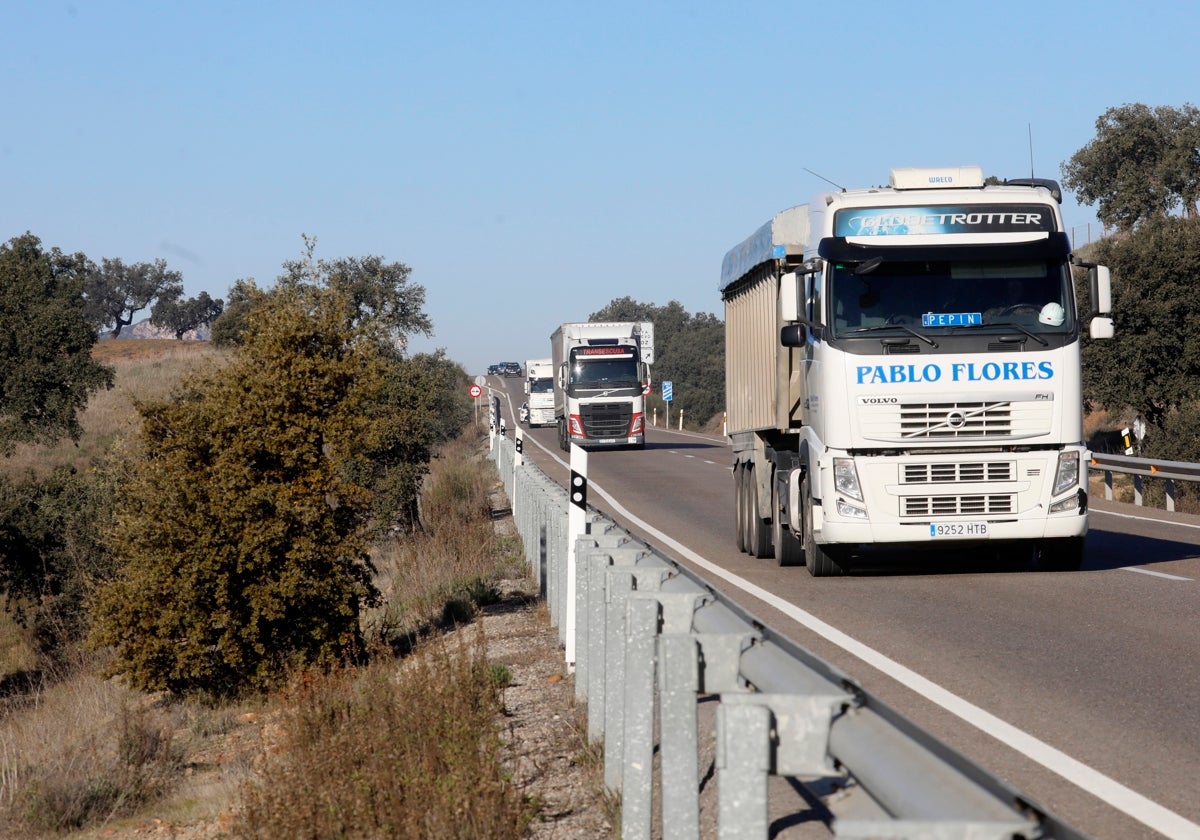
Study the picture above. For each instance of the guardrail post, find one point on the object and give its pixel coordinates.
(587, 546)
(743, 761)
(679, 682)
(592, 678)
(637, 783)
(597, 633)
(619, 585)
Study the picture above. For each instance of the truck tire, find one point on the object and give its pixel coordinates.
(822, 561)
(562, 437)
(788, 550)
(758, 536)
(1064, 554)
(739, 507)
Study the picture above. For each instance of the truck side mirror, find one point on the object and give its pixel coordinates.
(1100, 282)
(792, 335)
(789, 297)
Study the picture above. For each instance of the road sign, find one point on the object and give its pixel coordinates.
(475, 391)
(668, 390)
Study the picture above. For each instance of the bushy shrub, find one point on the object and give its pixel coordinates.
(50, 542)
(243, 540)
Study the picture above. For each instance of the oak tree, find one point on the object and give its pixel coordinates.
(46, 368)
(116, 292)
(183, 316)
(1144, 163)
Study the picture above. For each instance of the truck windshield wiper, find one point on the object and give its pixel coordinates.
(882, 327)
(1019, 328)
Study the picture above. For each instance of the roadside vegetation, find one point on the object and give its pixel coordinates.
(84, 755)
(1142, 171)
(227, 571)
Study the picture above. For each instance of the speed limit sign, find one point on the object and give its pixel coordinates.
(475, 391)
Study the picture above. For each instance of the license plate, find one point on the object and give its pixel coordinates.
(958, 530)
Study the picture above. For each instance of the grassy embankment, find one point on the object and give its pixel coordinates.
(406, 746)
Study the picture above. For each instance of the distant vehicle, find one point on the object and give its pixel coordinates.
(510, 368)
(493, 370)
(523, 412)
(539, 387)
(601, 377)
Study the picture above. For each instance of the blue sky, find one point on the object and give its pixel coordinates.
(532, 161)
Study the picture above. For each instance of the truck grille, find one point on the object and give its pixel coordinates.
(975, 505)
(606, 420)
(952, 420)
(987, 420)
(952, 472)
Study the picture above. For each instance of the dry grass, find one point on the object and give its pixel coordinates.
(387, 752)
(145, 369)
(440, 572)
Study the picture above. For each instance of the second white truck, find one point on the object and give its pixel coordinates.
(539, 391)
(903, 372)
(601, 379)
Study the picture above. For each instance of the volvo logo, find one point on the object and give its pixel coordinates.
(956, 420)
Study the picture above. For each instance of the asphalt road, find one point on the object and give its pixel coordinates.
(1080, 689)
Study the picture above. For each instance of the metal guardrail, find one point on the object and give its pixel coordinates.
(1140, 468)
(651, 637)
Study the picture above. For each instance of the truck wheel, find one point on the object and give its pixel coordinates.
(757, 533)
(788, 550)
(739, 506)
(822, 561)
(1064, 554)
(562, 436)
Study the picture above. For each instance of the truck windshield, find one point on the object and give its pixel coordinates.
(541, 386)
(604, 373)
(933, 296)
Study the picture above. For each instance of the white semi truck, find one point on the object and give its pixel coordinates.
(539, 391)
(601, 379)
(903, 372)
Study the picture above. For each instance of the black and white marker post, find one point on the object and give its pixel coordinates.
(576, 528)
(518, 459)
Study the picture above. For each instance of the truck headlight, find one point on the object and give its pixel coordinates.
(1067, 475)
(845, 478)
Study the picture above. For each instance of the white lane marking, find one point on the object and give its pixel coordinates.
(1092, 510)
(1154, 574)
(1148, 519)
(1092, 781)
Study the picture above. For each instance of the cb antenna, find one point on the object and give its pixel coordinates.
(823, 178)
(1030, 128)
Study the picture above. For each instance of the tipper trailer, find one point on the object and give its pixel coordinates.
(903, 372)
(601, 379)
